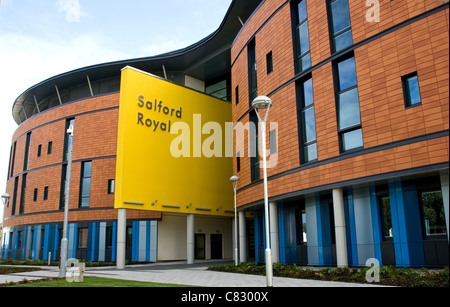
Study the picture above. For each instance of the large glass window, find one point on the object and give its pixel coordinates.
(85, 188)
(302, 36)
(307, 121)
(433, 213)
(340, 27)
(348, 107)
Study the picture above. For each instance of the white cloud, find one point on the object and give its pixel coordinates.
(72, 9)
(26, 60)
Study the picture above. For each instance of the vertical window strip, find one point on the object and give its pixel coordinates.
(340, 25)
(307, 121)
(348, 107)
(302, 37)
(85, 187)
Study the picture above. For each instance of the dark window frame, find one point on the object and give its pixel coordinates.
(334, 35)
(296, 25)
(83, 184)
(407, 90)
(301, 109)
(342, 132)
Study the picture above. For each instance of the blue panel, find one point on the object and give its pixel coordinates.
(413, 225)
(114, 241)
(406, 222)
(324, 232)
(45, 238)
(376, 223)
(281, 237)
(147, 251)
(24, 242)
(398, 225)
(257, 238)
(135, 243)
(351, 229)
(75, 240)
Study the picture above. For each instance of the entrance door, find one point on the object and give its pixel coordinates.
(216, 246)
(200, 246)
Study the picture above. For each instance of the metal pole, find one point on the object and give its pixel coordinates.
(64, 241)
(269, 272)
(235, 227)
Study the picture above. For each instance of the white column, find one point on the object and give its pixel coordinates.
(242, 237)
(274, 237)
(190, 239)
(234, 234)
(445, 195)
(339, 222)
(121, 238)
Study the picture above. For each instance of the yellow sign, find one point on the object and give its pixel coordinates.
(171, 154)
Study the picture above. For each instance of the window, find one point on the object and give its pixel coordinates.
(22, 194)
(62, 197)
(45, 193)
(252, 72)
(348, 108)
(340, 26)
(307, 121)
(254, 148)
(27, 152)
(35, 195)
(385, 206)
(49, 148)
(433, 213)
(302, 48)
(13, 159)
(109, 237)
(68, 139)
(273, 142)
(39, 150)
(111, 186)
(238, 162)
(411, 90)
(269, 62)
(85, 186)
(237, 95)
(219, 90)
(83, 237)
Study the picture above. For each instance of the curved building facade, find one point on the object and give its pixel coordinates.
(358, 132)
(88, 99)
(357, 138)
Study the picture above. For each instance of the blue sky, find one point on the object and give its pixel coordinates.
(43, 38)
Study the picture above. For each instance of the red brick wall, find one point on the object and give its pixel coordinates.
(421, 46)
(96, 122)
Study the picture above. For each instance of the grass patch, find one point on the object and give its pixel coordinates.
(90, 282)
(4, 270)
(391, 276)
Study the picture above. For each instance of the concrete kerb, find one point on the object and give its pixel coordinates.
(180, 273)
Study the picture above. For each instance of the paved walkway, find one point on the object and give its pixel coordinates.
(180, 273)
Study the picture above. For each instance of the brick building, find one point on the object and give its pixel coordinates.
(361, 108)
(358, 138)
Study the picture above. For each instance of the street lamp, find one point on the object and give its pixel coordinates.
(5, 199)
(235, 180)
(64, 240)
(265, 103)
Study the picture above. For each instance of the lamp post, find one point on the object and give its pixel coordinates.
(64, 241)
(235, 180)
(265, 103)
(5, 199)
